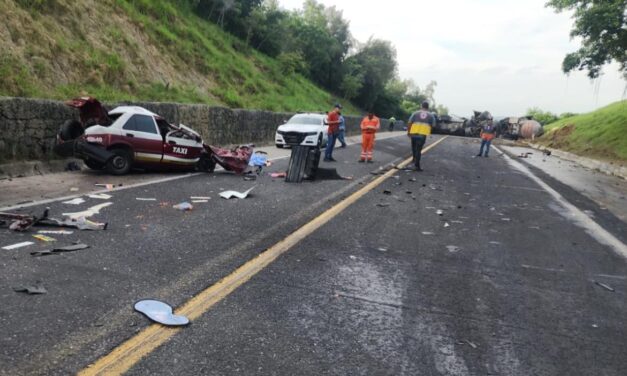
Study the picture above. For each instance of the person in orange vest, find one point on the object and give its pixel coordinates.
(488, 132)
(369, 126)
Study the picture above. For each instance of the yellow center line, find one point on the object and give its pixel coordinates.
(129, 353)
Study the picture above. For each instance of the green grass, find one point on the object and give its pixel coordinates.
(600, 134)
(110, 68)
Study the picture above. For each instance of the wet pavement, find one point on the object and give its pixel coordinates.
(609, 191)
(502, 282)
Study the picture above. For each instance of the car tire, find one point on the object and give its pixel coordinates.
(206, 164)
(71, 130)
(297, 164)
(120, 163)
(280, 146)
(93, 165)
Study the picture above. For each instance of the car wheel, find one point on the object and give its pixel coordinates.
(121, 162)
(206, 164)
(280, 146)
(93, 164)
(71, 130)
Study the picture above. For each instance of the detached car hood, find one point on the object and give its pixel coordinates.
(301, 128)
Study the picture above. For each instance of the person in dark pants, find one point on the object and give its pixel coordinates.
(333, 120)
(342, 134)
(488, 132)
(418, 128)
(391, 123)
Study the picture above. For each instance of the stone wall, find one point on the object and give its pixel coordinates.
(28, 127)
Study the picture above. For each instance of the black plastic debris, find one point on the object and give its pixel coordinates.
(35, 289)
(383, 204)
(387, 192)
(55, 251)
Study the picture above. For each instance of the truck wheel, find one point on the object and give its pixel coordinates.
(71, 130)
(206, 164)
(93, 164)
(121, 162)
(296, 166)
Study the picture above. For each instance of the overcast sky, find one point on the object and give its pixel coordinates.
(499, 55)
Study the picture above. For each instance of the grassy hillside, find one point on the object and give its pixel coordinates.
(601, 134)
(152, 50)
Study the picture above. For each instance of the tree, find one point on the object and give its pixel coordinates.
(602, 25)
(378, 61)
(542, 117)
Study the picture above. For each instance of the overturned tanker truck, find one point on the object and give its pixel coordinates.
(508, 127)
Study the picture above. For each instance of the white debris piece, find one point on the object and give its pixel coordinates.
(229, 194)
(89, 212)
(76, 201)
(18, 245)
(102, 196)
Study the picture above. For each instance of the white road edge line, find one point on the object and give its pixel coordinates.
(572, 213)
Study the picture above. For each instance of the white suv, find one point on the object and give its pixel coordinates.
(303, 129)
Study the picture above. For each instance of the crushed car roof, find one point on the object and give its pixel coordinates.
(132, 110)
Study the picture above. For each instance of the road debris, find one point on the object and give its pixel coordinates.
(200, 201)
(55, 232)
(446, 225)
(101, 196)
(250, 177)
(184, 206)
(607, 287)
(230, 194)
(439, 212)
(17, 222)
(35, 289)
(352, 257)
(382, 249)
(44, 238)
(80, 223)
(452, 248)
(278, 175)
(471, 344)
(427, 233)
(505, 219)
(55, 251)
(200, 198)
(108, 187)
(89, 212)
(76, 201)
(160, 312)
(73, 189)
(387, 192)
(383, 204)
(145, 199)
(17, 245)
(412, 180)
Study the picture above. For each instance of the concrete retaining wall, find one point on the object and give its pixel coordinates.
(28, 127)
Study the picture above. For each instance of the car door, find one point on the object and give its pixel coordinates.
(181, 149)
(140, 131)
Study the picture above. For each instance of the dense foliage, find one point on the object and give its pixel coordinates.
(602, 27)
(316, 42)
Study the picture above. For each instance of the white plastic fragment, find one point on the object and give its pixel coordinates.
(241, 195)
(18, 245)
(76, 201)
(145, 199)
(89, 212)
(101, 196)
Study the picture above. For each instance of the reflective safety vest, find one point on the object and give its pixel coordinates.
(420, 123)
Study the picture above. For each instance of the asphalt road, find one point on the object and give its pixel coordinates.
(508, 280)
